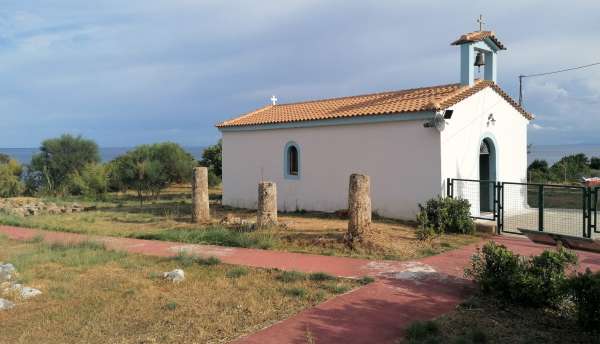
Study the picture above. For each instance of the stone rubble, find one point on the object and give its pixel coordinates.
(24, 206)
(5, 305)
(238, 223)
(7, 272)
(9, 287)
(174, 276)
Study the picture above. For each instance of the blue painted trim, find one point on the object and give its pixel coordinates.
(467, 60)
(286, 162)
(397, 117)
(494, 163)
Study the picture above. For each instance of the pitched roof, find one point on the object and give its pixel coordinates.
(405, 101)
(477, 36)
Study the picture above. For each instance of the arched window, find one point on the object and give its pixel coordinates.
(292, 161)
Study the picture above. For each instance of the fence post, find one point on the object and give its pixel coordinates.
(449, 187)
(500, 207)
(541, 207)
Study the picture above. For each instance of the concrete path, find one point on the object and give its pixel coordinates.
(378, 313)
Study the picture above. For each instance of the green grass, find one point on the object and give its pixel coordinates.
(82, 255)
(291, 276)
(214, 235)
(366, 280)
(336, 288)
(97, 296)
(295, 292)
(320, 276)
(237, 272)
(423, 332)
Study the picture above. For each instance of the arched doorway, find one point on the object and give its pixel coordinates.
(487, 172)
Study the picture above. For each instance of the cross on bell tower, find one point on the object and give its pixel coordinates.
(480, 22)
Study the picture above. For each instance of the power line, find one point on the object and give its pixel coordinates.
(521, 77)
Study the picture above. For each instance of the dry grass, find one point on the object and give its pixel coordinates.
(484, 320)
(92, 295)
(169, 218)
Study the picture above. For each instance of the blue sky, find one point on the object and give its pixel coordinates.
(141, 71)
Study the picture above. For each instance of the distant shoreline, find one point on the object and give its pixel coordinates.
(23, 155)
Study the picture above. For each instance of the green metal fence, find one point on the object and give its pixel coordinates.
(558, 209)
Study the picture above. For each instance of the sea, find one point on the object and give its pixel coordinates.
(23, 155)
(550, 153)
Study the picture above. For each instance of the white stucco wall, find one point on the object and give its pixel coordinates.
(461, 139)
(402, 159)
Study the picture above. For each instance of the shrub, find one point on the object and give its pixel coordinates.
(537, 282)
(91, 182)
(10, 178)
(585, 291)
(446, 215)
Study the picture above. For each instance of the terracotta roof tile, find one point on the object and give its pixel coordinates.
(477, 36)
(404, 101)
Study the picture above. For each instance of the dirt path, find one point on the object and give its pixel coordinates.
(377, 313)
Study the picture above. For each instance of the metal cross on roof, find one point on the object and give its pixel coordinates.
(481, 22)
(274, 100)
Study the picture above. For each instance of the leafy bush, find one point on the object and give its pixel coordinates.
(91, 182)
(537, 282)
(585, 291)
(445, 215)
(11, 184)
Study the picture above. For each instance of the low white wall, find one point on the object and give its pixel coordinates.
(469, 125)
(402, 159)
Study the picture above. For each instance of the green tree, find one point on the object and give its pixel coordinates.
(595, 163)
(60, 158)
(570, 168)
(538, 171)
(212, 158)
(148, 169)
(11, 184)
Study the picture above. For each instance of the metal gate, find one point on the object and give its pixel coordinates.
(594, 205)
(557, 209)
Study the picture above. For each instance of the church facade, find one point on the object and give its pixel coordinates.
(409, 142)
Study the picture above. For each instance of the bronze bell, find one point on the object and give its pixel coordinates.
(479, 61)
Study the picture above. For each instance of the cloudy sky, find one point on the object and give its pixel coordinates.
(140, 71)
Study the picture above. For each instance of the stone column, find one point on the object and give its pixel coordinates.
(267, 204)
(359, 208)
(200, 207)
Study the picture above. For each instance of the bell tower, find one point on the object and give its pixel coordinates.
(478, 49)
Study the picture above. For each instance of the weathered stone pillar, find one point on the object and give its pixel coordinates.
(359, 208)
(267, 204)
(200, 205)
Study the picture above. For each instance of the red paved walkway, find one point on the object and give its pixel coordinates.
(378, 313)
